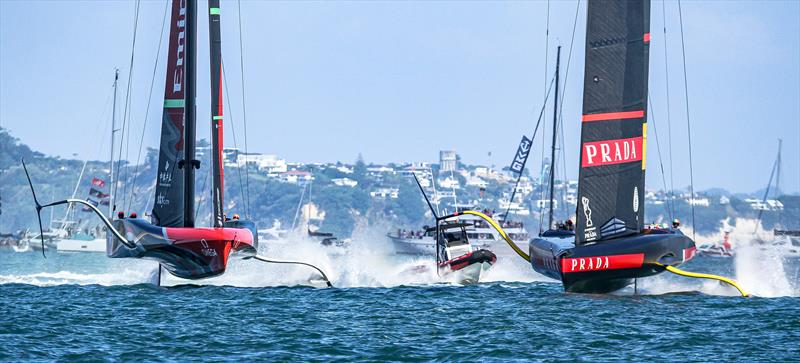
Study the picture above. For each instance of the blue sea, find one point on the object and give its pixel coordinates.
(91, 308)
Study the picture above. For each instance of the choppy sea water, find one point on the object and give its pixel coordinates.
(89, 307)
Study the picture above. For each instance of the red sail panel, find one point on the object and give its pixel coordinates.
(169, 198)
(613, 128)
(217, 169)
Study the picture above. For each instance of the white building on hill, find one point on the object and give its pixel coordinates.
(768, 205)
(345, 182)
(268, 163)
(447, 161)
(384, 193)
(449, 183)
(296, 176)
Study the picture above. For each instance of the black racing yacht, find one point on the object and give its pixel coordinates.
(610, 246)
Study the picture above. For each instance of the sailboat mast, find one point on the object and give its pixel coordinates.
(217, 169)
(189, 129)
(778, 169)
(111, 160)
(553, 146)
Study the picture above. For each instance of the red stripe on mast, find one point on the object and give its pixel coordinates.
(613, 116)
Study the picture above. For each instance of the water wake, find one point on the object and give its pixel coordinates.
(766, 272)
(127, 276)
(761, 272)
(368, 261)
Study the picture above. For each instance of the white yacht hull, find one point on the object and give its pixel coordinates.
(471, 274)
(425, 246)
(75, 245)
(413, 246)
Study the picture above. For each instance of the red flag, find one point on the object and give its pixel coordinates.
(98, 182)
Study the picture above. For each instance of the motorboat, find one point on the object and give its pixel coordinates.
(457, 259)
(480, 232)
(81, 242)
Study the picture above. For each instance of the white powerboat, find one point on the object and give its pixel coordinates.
(81, 242)
(479, 232)
(458, 260)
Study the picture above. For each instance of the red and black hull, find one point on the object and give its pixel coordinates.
(468, 268)
(608, 265)
(189, 253)
(461, 262)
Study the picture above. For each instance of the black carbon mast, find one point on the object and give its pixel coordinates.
(553, 146)
(190, 163)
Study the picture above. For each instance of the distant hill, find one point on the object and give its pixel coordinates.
(11, 150)
(716, 192)
(273, 200)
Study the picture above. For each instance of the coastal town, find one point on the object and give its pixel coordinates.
(453, 185)
(343, 193)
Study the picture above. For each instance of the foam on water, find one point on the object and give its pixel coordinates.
(666, 283)
(763, 272)
(369, 261)
(760, 272)
(141, 273)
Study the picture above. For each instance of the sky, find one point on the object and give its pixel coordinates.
(399, 81)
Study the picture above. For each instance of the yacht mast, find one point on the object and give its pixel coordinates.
(189, 130)
(778, 169)
(553, 146)
(111, 160)
(217, 169)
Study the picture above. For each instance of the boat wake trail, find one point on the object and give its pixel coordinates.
(368, 261)
(766, 272)
(666, 283)
(760, 272)
(126, 276)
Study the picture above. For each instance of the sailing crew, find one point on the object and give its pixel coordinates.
(569, 226)
(676, 223)
(726, 243)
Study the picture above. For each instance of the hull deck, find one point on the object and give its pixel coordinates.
(189, 253)
(609, 265)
